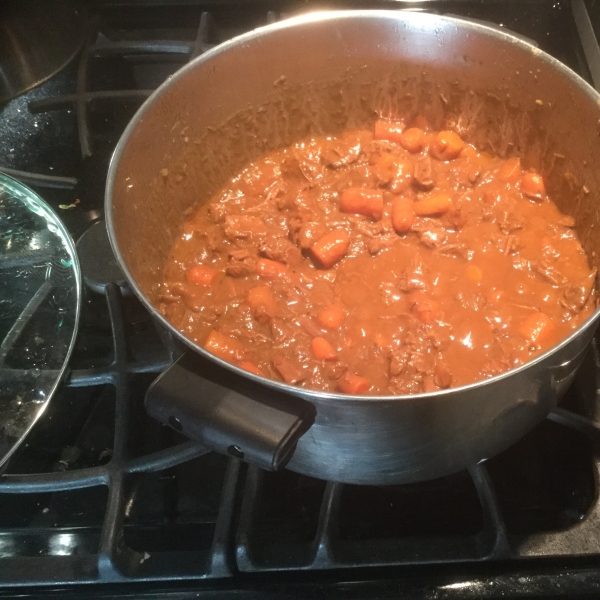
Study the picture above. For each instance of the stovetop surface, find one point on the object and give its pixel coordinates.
(101, 493)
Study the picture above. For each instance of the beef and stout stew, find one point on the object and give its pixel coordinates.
(393, 261)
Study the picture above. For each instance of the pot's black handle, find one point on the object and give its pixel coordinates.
(228, 413)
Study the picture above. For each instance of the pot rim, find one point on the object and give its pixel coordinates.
(299, 21)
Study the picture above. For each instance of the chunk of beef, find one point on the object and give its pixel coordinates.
(217, 212)
(548, 273)
(308, 234)
(379, 243)
(290, 372)
(442, 377)
(244, 226)
(241, 268)
(342, 153)
(281, 250)
(576, 296)
(423, 175)
(432, 237)
(509, 222)
(454, 219)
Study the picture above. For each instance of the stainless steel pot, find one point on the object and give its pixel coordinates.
(322, 73)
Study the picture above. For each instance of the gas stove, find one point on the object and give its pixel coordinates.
(100, 493)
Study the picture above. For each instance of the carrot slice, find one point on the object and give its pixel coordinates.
(289, 372)
(423, 307)
(362, 201)
(474, 273)
(446, 145)
(322, 349)
(331, 247)
(332, 317)
(261, 298)
(532, 186)
(385, 130)
(413, 139)
(251, 367)
(434, 205)
(353, 384)
(510, 170)
(403, 214)
(536, 327)
(223, 346)
(201, 275)
(271, 269)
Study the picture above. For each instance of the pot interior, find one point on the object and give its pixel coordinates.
(325, 73)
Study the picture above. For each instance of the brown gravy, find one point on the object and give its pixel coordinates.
(392, 261)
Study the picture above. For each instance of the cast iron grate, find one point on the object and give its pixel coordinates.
(248, 534)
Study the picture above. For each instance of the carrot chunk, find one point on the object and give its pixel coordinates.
(353, 384)
(331, 247)
(403, 214)
(385, 160)
(322, 349)
(434, 205)
(446, 145)
(260, 298)
(201, 275)
(223, 346)
(289, 372)
(385, 130)
(510, 170)
(424, 308)
(271, 269)
(532, 186)
(474, 273)
(362, 201)
(251, 367)
(536, 327)
(332, 317)
(413, 139)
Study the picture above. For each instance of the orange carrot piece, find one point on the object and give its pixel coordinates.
(434, 205)
(322, 349)
(271, 269)
(424, 308)
(446, 145)
(385, 130)
(201, 275)
(510, 170)
(381, 340)
(413, 139)
(385, 160)
(362, 201)
(261, 298)
(223, 346)
(251, 367)
(332, 317)
(331, 247)
(403, 214)
(353, 384)
(532, 186)
(289, 372)
(474, 273)
(536, 327)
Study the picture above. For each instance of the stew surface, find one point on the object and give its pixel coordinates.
(391, 261)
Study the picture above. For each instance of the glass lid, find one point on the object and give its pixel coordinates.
(40, 298)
